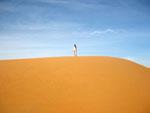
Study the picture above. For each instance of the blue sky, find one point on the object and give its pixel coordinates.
(45, 28)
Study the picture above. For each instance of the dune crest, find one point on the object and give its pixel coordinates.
(74, 85)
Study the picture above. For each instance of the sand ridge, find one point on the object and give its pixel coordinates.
(74, 85)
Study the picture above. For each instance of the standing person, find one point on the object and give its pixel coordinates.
(75, 50)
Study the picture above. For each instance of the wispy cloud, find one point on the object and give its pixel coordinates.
(140, 60)
(6, 7)
(101, 32)
(55, 1)
(72, 4)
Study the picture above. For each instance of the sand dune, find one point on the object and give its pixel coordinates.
(74, 85)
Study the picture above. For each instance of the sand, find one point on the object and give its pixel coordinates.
(74, 85)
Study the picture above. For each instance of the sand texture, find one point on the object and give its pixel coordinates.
(74, 85)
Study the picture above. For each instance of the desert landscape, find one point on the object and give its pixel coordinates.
(74, 85)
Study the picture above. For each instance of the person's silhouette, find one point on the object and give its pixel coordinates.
(75, 50)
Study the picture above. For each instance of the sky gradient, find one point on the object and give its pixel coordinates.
(45, 28)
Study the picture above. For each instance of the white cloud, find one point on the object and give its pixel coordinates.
(6, 7)
(55, 1)
(72, 4)
(101, 32)
(140, 60)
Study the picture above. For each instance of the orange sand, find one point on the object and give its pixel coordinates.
(74, 85)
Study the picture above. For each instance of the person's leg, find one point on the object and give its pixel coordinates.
(74, 53)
